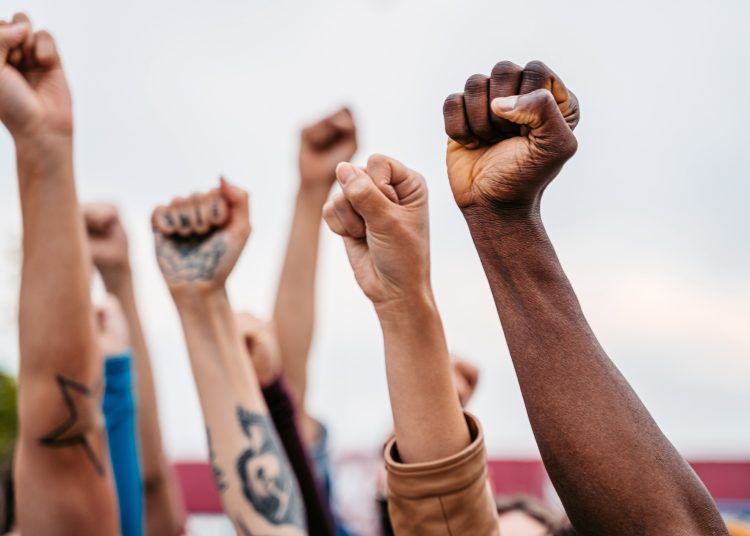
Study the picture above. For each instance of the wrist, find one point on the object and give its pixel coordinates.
(199, 299)
(314, 192)
(39, 143)
(410, 307)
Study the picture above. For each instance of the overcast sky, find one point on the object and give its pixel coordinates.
(649, 218)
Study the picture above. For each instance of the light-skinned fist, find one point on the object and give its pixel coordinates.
(34, 96)
(107, 240)
(323, 145)
(262, 345)
(510, 134)
(381, 212)
(199, 238)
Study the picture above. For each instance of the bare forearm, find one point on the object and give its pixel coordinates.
(596, 438)
(428, 420)
(54, 283)
(163, 513)
(61, 371)
(241, 435)
(294, 311)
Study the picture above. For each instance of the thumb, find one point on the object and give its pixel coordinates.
(539, 111)
(360, 190)
(238, 201)
(12, 35)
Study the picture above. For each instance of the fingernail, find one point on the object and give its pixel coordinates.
(504, 104)
(345, 171)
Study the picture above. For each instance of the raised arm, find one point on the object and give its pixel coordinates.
(614, 470)
(109, 248)
(62, 468)
(120, 414)
(437, 460)
(198, 242)
(263, 351)
(322, 146)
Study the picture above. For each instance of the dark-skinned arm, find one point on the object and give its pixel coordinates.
(615, 471)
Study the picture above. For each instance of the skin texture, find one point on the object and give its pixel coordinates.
(614, 470)
(198, 242)
(262, 350)
(108, 243)
(381, 214)
(322, 146)
(61, 466)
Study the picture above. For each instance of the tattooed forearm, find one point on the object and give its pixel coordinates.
(190, 258)
(63, 435)
(267, 480)
(218, 472)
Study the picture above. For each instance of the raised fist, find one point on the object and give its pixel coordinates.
(200, 238)
(34, 96)
(324, 144)
(262, 345)
(381, 212)
(510, 135)
(107, 239)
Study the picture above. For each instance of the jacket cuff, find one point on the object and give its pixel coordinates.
(439, 477)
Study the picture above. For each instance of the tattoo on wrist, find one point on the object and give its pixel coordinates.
(190, 258)
(267, 481)
(62, 436)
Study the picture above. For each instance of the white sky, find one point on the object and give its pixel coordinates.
(649, 219)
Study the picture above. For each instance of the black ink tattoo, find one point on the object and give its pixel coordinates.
(191, 258)
(61, 436)
(169, 220)
(264, 471)
(218, 472)
(184, 221)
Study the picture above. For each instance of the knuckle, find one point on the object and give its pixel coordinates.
(476, 83)
(539, 67)
(377, 159)
(452, 102)
(505, 67)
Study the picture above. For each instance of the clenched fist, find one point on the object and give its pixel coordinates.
(262, 345)
(200, 238)
(510, 135)
(34, 96)
(381, 212)
(324, 144)
(107, 240)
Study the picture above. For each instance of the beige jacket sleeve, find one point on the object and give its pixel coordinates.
(449, 497)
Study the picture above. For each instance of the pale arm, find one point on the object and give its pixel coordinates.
(428, 420)
(258, 490)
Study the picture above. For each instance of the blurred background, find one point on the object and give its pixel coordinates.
(649, 219)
